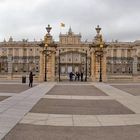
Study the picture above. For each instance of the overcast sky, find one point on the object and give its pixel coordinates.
(119, 19)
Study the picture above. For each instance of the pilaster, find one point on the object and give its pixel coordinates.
(135, 62)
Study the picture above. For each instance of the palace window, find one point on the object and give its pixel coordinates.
(114, 53)
(122, 53)
(128, 53)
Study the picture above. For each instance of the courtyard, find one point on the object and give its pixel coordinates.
(70, 111)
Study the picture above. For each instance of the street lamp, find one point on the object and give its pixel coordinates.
(0, 63)
(86, 67)
(99, 51)
(100, 55)
(59, 67)
(45, 77)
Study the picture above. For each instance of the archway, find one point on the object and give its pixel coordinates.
(72, 61)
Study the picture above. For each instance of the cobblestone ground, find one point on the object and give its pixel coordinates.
(132, 89)
(63, 111)
(13, 88)
(3, 97)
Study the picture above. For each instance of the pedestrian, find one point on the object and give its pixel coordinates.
(78, 76)
(70, 76)
(31, 79)
(81, 76)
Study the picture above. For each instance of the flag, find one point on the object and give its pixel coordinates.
(62, 25)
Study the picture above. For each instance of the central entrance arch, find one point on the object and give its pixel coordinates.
(72, 61)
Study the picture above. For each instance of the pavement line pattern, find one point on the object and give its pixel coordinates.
(13, 109)
(77, 97)
(8, 94)
(125, 84)
(77, 84)
(128, 100)
(80, 120)
(87, 120)
(17, 107)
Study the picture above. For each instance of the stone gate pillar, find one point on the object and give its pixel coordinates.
(47, 58)
(98, 58)
(51, 66)
(41, 66)
(95, 66)
(10, 67)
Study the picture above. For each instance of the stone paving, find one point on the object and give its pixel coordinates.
(91, 111)
(3, 98)
(13, 88)
(132, 89)
(78, 89)
(80, 107)
(36, 132)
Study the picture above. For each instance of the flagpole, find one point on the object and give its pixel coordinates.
(62, 25)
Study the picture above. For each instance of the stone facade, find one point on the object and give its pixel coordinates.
(18, 58)
(121, 60)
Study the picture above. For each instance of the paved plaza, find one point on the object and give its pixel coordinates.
(70, 111)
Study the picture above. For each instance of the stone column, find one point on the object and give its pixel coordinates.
(10, 67)
(96, 67)
(93, 60)
(135, 62)
(135, 72)
(104, 74)
(51, 65)
(41, 66)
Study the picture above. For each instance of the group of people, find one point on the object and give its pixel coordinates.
(76, 76)
(72, 76)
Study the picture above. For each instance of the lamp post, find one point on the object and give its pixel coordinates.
(59, 67)
(45, 76)
(100, 77)
(48, 28)
(0, 63)
(86, 67)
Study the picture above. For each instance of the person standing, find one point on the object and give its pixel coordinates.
(31, 79)
(78, 76)
(81, 76)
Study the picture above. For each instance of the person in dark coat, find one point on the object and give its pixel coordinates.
(31, 79)
(71, 76)
(78, 76)
(81, 76)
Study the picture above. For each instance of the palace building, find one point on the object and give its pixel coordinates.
(54, 60)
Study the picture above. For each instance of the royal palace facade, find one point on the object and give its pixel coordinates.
(54, 60)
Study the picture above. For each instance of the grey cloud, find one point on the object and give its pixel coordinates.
(118, 19)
